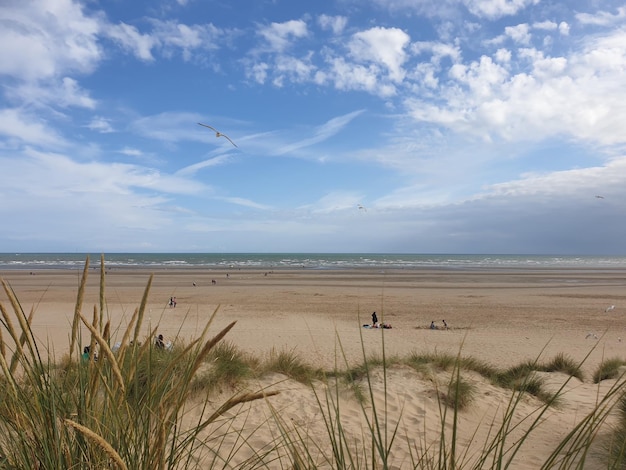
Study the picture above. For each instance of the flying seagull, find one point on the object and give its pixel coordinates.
(361, 207)
(218, 133)
(600, 197)
(610, 308)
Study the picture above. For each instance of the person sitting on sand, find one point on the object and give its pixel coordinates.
(432, 325)
(159, 342)
(87, 354)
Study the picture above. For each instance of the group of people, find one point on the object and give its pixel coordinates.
(159, 343)
(435, 327)
(376, 324)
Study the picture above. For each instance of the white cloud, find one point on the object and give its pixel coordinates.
(131, 152)
(174, 36)
(40, 39)
(335, 23)
(576, 183)
(494, 9)
(131, 39)
(298, 70)
(602, 18)
(349, 76)
(64, 93)
(427, 8)
(93, 202)
(100, 124)
(577, 96)
(382, 46)
(545, 25)
(23, 128)
(519, 33)
(279, 35)
(437, 50)
(258, 72)
(334, 201)
(503, 56)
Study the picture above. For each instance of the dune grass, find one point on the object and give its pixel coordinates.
(128, 408)
(122, 410)
(608, 369)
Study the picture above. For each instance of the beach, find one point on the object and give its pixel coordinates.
(501, 316)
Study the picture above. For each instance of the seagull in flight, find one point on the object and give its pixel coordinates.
(361, 207)
(610, 308)
(218, 133)
(599, 197)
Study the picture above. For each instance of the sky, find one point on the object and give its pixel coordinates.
(380, 126)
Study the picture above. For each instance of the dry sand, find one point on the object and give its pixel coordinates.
(501, 316)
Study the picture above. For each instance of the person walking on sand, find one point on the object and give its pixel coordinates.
(374, 320)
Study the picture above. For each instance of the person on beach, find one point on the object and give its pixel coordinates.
(445, 325)
(432, 325)
(374, 320)
(159, 342)
(87, 354)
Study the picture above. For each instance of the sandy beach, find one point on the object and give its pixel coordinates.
(500, 316)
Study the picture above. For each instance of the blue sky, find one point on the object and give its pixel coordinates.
(421, 126)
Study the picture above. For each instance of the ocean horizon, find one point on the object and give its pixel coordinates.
(31, 261)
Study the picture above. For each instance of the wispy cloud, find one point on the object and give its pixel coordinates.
(211, 162)
(321, 133)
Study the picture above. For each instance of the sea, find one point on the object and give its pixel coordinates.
(31, 261)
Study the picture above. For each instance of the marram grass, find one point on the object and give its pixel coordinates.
(129, 408)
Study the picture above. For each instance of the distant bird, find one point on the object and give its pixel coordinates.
(591, 335)
(599, 197)
(361, 207)
(218, 133)
(610, 308)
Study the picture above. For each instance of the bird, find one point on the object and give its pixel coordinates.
(361, 207)
(609, 308)
(599, 197)
(218, 133)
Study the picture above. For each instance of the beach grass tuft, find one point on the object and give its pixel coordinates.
(608, 369)
(291, 364)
